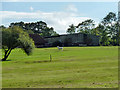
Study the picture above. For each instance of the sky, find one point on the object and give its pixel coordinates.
(58, 15)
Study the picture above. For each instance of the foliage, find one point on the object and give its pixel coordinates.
(86, 26)
(48, 32)
(104, 39)
(107, 29)
(14, 37)
(39, 27)
(71, 29)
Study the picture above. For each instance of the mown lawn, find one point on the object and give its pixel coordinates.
(74, 67)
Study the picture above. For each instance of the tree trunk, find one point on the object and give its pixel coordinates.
(7, 53)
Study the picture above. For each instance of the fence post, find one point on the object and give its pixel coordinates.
(50, 58)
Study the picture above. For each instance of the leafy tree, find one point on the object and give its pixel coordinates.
(104, 38)
(13, 37)
(71, 29)
(95, 31)
(48, 32)
(29, 32)
(52, 32)
(110, 26)
(39, 27)
(2, 27)
(86, 26)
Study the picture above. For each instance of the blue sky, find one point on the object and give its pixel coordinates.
(58, 15)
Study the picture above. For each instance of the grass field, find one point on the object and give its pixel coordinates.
(74, 67)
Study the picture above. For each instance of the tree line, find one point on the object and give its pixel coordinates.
(107, 29)
(17, 34)
(39, 27)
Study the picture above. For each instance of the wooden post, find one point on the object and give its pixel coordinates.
(50, 58)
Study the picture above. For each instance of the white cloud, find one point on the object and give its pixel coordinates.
(71, 8)
(60, 21)
(31, 8)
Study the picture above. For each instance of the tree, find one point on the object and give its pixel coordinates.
(2, 27)
(13, 37)
(39, 27)
(86, 26)
(48, 32)
(71, 29)
(110, 27)
(103, 34)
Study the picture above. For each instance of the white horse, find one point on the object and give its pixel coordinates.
(60, 48)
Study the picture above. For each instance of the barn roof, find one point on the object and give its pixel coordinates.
(38, 40)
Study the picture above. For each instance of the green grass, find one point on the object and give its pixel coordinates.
(74, 67)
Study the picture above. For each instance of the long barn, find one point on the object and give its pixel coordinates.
(74, 39)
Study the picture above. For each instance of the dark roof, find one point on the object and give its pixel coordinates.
(52, 36)
(37, 39)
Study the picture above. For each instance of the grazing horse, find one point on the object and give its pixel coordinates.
(60, 48)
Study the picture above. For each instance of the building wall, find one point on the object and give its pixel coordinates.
(95, 39)
(74, 39)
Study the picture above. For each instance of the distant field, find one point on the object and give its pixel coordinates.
(74, 67)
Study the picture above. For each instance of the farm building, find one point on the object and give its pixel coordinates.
(77, 39)
(38, 40)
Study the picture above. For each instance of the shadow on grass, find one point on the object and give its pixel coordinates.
(6, 60)
(37, 61)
